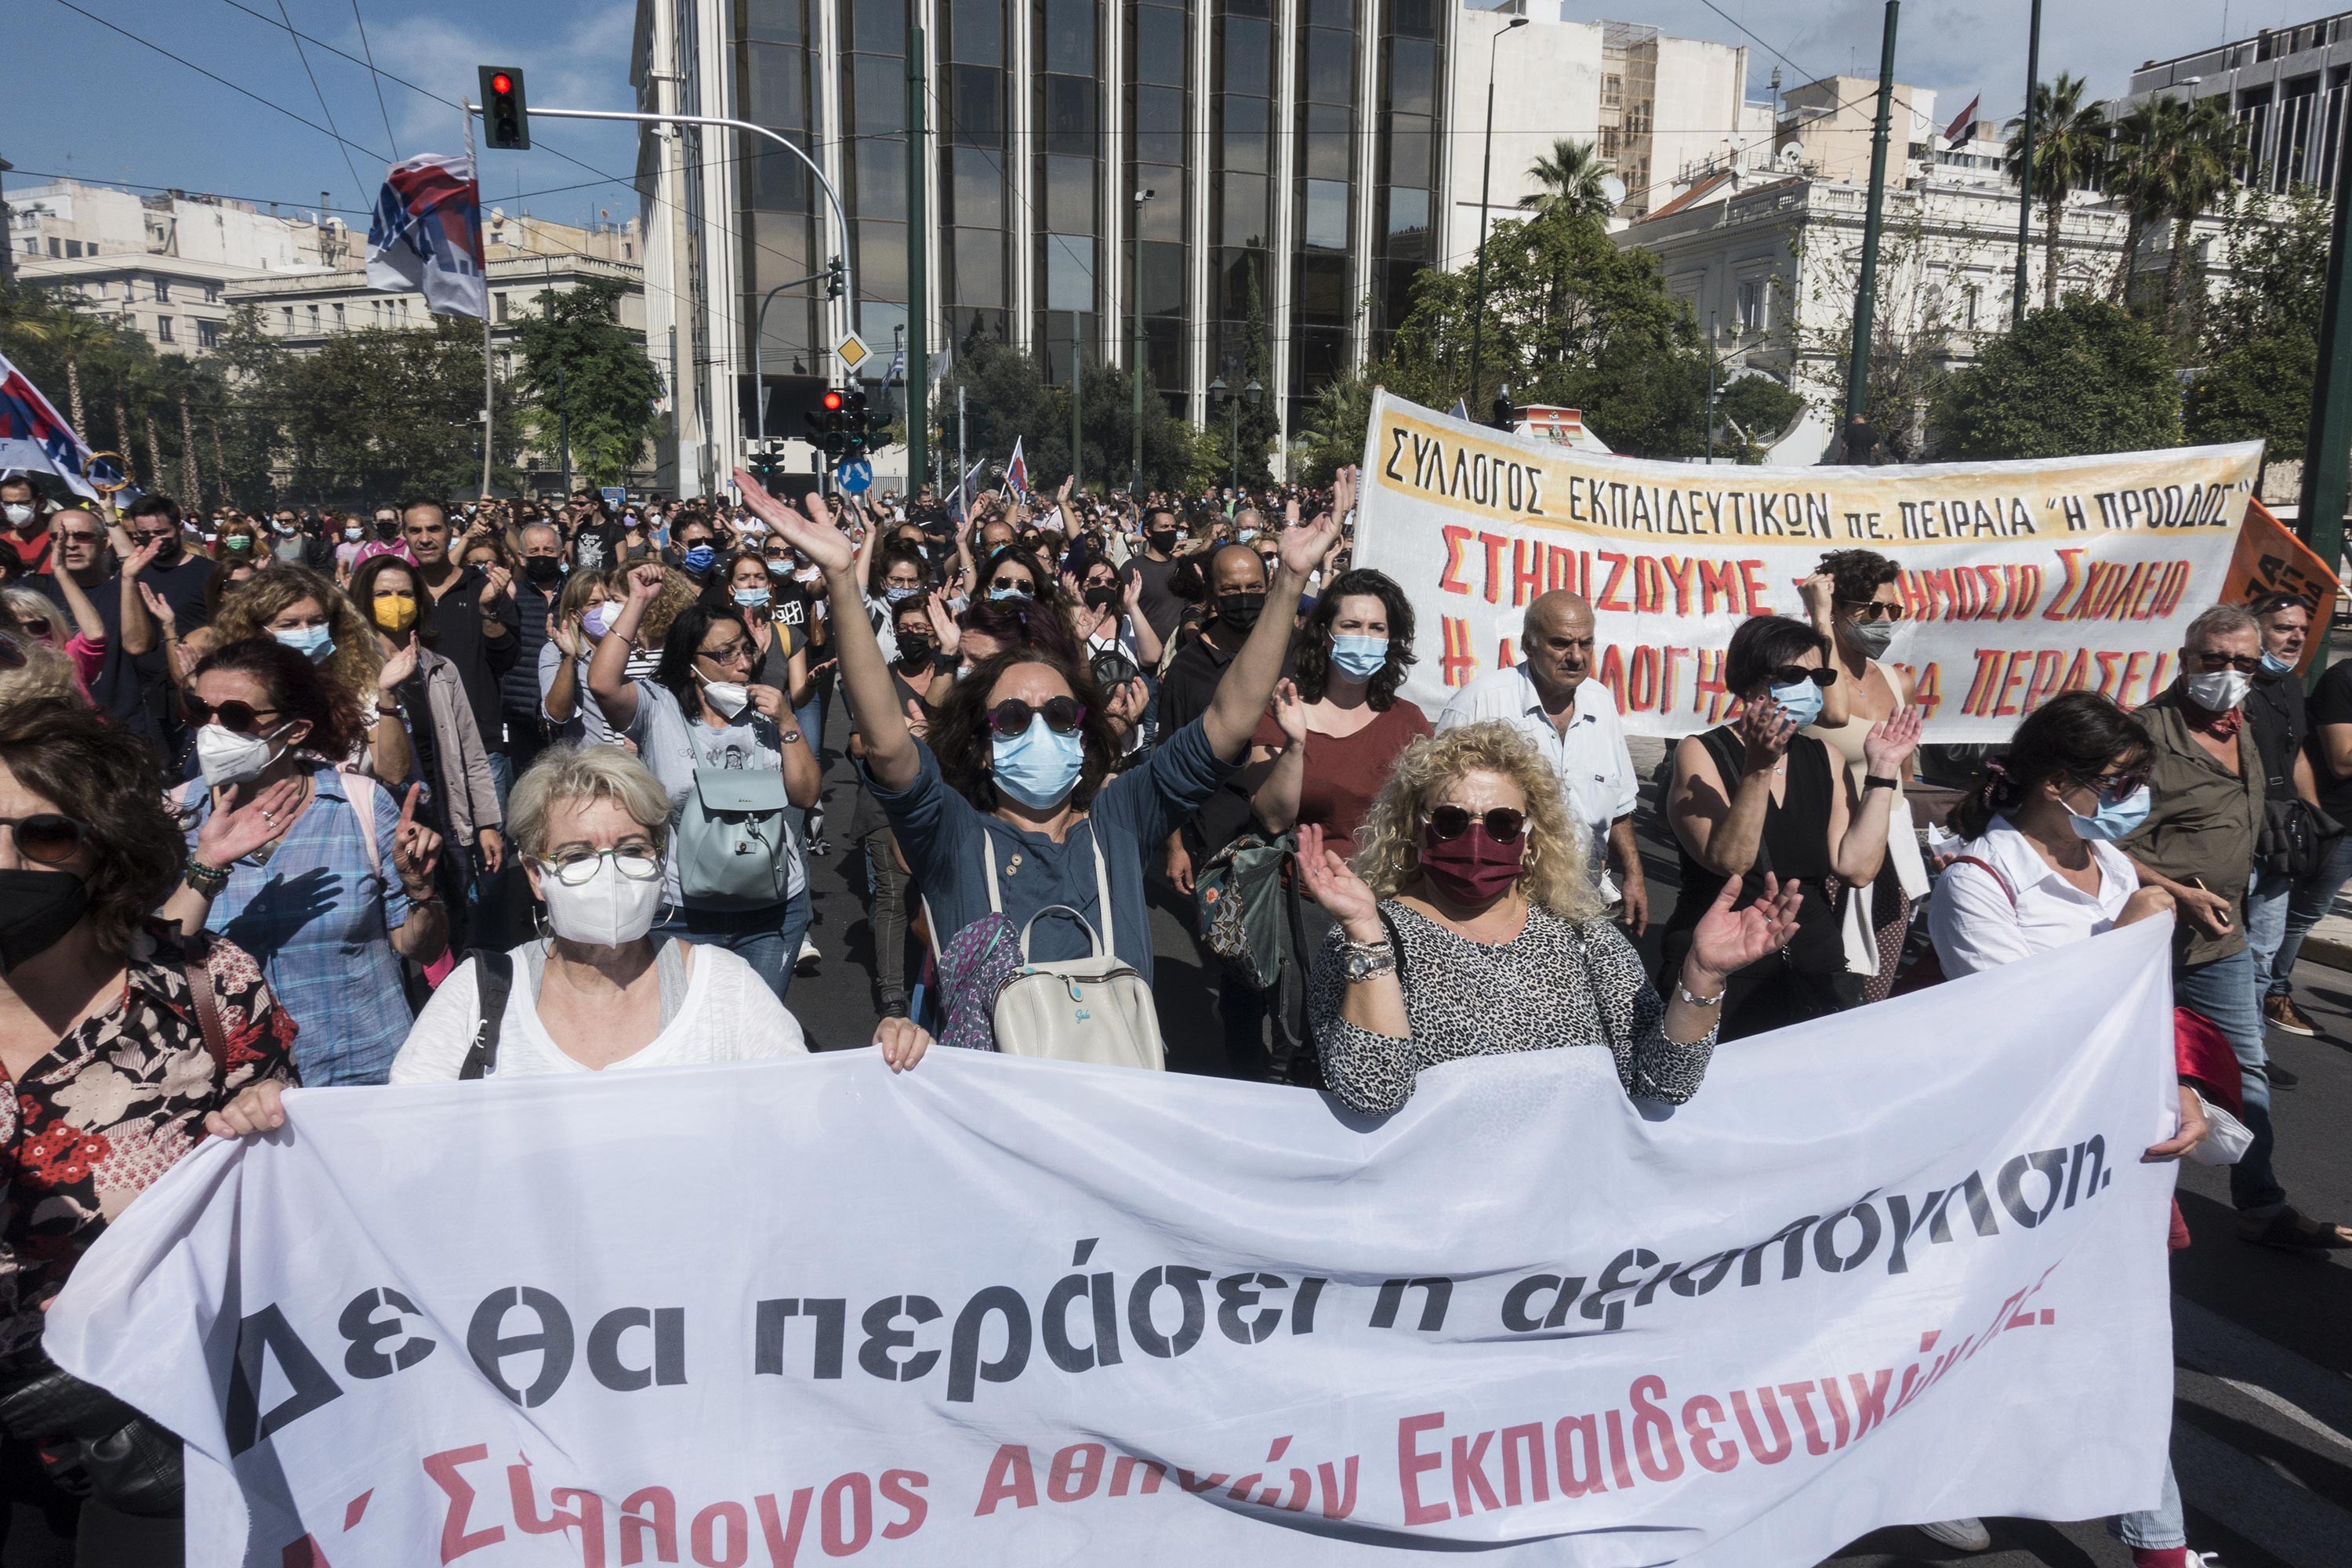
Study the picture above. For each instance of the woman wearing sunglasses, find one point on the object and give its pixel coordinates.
(1759, 800)
(1468, 925)
(1865, 613)
(703, 711)
(2039, 869)
(112, 1077)
(315, 618)
(339, 891)
(1015, 768)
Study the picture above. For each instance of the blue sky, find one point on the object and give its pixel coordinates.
(85, 100)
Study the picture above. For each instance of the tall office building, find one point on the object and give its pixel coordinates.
(1303, 159)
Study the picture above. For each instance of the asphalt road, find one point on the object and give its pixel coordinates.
(2262, 1435)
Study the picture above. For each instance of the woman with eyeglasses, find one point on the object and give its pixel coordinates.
(1468, 925)
(2039, 869)
(1009, 804)
(1865, 611)
(339, 891)
(702, 712)
(113, 1076)
(750, 587)
(1759, 800)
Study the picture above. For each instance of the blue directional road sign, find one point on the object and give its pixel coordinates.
(855, 477)
(615, 495)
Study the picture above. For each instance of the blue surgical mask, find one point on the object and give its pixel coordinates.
(315, 643)
(2273, 665)
(594, 620)
(700, 557)
(1008, 593)
(1359, 657)
(1802, 701)
(1037, 767)
(2113, 821)
(899, 596)
(752, 598)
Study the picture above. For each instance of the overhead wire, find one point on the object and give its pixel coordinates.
(376, 78)
(359, 187)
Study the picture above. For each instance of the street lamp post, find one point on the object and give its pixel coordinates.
(1135, 360)
(1485, 187)
(1710, 387)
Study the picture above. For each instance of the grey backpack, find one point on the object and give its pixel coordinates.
(734, 844)
(1092, 1009)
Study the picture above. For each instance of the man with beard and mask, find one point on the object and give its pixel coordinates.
(535, 595)
(2205, 813)
(1237, 588)
(177, 576)
(1572, 719)
(475, 616)
(98, 1036)
(1154, 568)
(26, 523)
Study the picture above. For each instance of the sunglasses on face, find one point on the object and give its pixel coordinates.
(1012, 717)
(241, 718)
(1794, 674)
(80, 538)
(1010, 585)
(1872, 610)
(2244, 663)
(36, 624)
(47, 836)
(2113, 789)
(1447, 823)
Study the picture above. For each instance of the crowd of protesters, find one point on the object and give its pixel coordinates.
(428, 792)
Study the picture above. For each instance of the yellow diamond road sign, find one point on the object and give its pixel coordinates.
(853, 350)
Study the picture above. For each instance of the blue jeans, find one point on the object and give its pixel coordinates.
(2223, 991)
(2159, 1528)
(501, 777)
(2267, 897)
(768, 940)
(2312, 898)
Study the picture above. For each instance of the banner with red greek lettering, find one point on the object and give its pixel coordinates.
(2019, 580)
(1902, 1264)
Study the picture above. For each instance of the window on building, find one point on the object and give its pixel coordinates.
(162, 290)
(502, 308)
(1971, 300)
(56, 247)
(1612, 91)
(339, 315)
(289, 318)
(212, 293)
(209, 335)
(314, 318)
(163, 330)
(1069, 273)
(1750, 305)
(73, 247)
(1327, 215)
(1159, 56)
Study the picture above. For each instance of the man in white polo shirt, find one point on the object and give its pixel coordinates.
(1572, 721)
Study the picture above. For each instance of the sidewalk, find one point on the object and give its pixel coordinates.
(2330, 942)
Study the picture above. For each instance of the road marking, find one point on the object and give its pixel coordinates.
(2240, 1492)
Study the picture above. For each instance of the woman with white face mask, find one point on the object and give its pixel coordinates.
(341, 889)
(702, 713)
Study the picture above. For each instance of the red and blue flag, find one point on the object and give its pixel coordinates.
(33, 439)
(427, 235)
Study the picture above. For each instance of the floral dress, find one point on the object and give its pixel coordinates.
(115, 1104)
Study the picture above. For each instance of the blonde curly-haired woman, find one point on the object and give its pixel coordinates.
(1468, 926)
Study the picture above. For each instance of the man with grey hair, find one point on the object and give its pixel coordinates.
(2205, 813)
(1549, 696)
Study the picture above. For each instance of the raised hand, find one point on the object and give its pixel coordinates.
(398, 668)
(645, 583)
(1766, 730)
(238, 827)
(812, 529)
(1288, 712)
(140, 559)
(1726, 940)
(768, 700)
(161, 608)
(1332, 883)
(1819, 593)
(943, 624)
(1305, 547)
(1343, 493)
(500, 581)
(1887, 749)
(919, 718)
(415, 849)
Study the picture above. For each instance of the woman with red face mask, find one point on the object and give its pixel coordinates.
(1467, 925)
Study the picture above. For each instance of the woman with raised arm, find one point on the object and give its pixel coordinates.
(1016, 771)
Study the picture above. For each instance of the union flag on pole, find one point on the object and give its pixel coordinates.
(1016, 471)
(33, 439)
(426, 234)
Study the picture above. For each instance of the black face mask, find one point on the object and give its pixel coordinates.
(1164, 542)
(1240, 611)
(544, 569)
(1102, 599)
(915, 653)
(40, 908)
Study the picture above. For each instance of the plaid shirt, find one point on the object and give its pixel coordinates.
(319, 916)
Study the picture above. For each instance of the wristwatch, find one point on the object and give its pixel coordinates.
(1370, 960)
(1877, 780)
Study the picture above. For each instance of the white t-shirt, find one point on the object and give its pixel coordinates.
(1974, 926)
(1594, 765)
(729, 1015)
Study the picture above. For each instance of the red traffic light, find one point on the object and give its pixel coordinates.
(832, 401)
(502, 83)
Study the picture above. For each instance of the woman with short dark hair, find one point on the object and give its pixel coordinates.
(340, 890)
(1757, 799)
(114, 1074)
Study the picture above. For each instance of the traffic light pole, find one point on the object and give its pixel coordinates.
(918, 341)
(1866, 304)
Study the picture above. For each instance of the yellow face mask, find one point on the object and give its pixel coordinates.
(396, 612)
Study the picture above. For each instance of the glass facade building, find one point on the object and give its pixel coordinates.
(1289, 148)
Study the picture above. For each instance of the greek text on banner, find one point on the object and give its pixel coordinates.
(2019, 580)
(1902, 1264)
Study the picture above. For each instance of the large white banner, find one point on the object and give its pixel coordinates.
(2019, 580)
(1902, 1264)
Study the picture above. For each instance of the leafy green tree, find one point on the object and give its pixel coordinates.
(1333, 434)
(1006, 397)
(584, 374)
(2260, 338)
(1571, 175)
(377, 414)
(2086, 377)
(1752, 413)
(2070, 147)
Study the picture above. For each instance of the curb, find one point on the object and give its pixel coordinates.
(2335, 951)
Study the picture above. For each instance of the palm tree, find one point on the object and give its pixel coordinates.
(2134, 175)
(78, 336)
(2198, 169)
(1571, 175)
(2070, 142)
